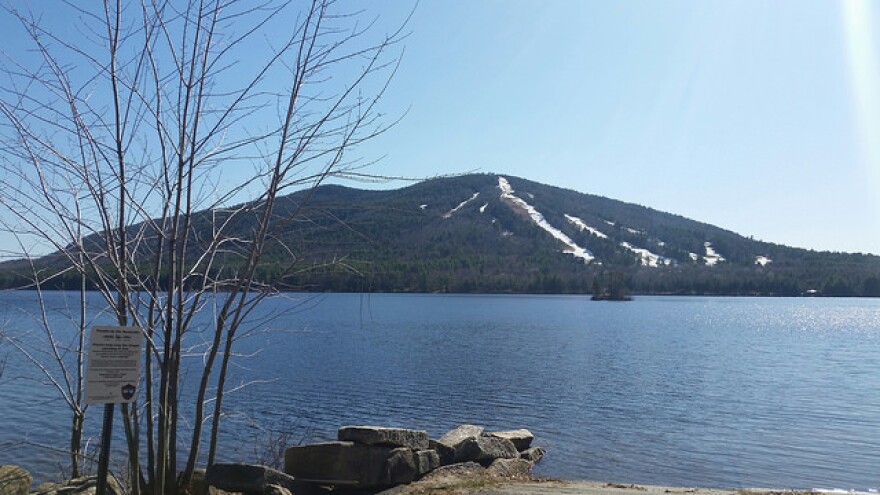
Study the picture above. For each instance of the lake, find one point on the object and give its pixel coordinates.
(693, 391)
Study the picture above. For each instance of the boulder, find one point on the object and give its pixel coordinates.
(456, 471)
(460, 434)
(446, 453)
(350, 464)
(86, 485)
(198, 486)
(337, 463)
(392, 437)
(509, 468)
(485, 449)
(14, 480)
(247, 478)
(533, 455)
(522, 438)
(426, 461)
(400, 467)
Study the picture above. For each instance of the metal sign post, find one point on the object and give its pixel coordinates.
(112, 376)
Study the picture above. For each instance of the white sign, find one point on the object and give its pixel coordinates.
(113, 364)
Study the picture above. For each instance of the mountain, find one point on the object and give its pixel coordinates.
(494, 233)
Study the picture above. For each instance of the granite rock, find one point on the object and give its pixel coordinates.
(522, 438)
(485, 449)
(426, 461)
(510, 468)
(454, 437)
(391, 437)
(246, 478)
(533, 455)
(445, 452)
(14, 480)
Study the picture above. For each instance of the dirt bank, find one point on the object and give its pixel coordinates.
(482, 485)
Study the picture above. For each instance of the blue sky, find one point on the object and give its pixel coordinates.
(760, 117)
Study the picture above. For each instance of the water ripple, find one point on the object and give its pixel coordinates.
(717, 392)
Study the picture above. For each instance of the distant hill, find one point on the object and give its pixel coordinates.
(493, 233)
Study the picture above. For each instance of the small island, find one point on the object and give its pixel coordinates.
(614, 290)
(608, 296)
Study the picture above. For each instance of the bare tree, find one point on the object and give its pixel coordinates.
(148, 156)
(58, 353)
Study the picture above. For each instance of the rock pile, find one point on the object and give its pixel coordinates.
(365, 458)
(369, 457)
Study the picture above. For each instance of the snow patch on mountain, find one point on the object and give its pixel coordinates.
(583, 226)
(712, 257)
(762, 260)
(461, 205)
(633, 231)
(538, 218)
(647, 257)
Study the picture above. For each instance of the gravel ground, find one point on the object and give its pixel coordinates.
(483, 485)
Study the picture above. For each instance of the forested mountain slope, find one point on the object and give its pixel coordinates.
(494, 233)
(491, 233)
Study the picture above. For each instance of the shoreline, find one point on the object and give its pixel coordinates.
(550, 486)
(632, 294)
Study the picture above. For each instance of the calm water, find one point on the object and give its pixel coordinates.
(718, 392)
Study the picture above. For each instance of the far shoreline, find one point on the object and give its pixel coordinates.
(633, 295)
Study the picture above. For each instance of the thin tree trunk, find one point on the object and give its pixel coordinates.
(79, 414)
(76, 443)
(129, 420)
(200, 400)
(148, 408)
(218, 401)
(171, 473)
